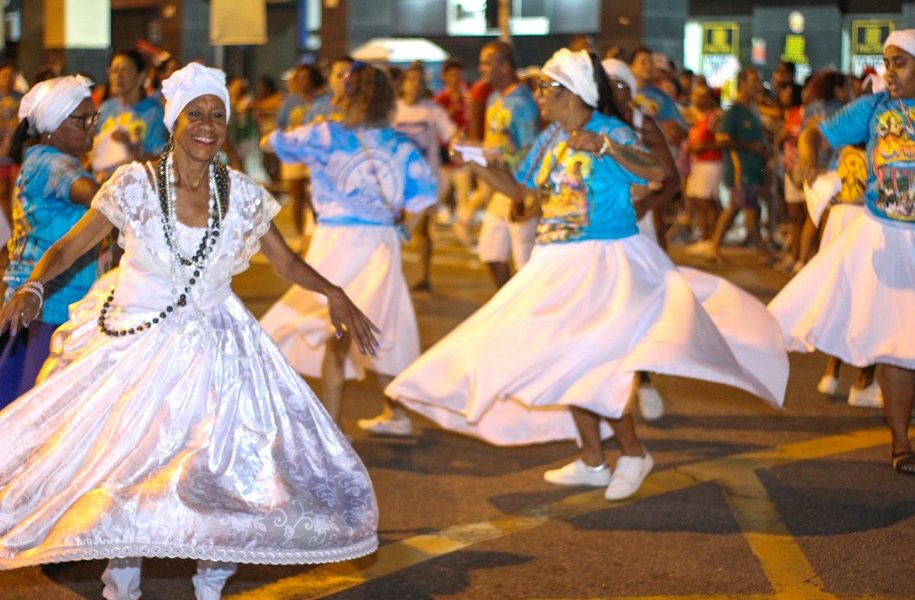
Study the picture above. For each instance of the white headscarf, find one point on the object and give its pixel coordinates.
(904, 39)
(49, 102)
(617, 69)
(575, 72)
(191, 82)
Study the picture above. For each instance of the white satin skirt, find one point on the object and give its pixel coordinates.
(194, 439)
(840, 217)
(574, 326)
(366, 262)
(856, 299)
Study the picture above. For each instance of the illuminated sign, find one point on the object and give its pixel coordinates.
(867, 37)
(720, 38)
(795, 49)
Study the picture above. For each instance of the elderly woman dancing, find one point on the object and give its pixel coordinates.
(57, 120)
(166, 423)
(552, 355)
(856, 299)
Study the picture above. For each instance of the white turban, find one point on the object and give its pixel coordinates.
(191, 82)
(904, 39)
(49, 102)
(575, 72)
(617, 69)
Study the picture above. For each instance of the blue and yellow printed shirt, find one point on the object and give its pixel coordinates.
(511, 123)
(588, 197)
(42, 214)
(886, 126)
(362, 176)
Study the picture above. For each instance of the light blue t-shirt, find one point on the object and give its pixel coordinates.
(512, 122)
(322, 108)
(42, 214)
(588, 197)
(359, 175)
(293, 111)
(655, 103)
(886, 126)
(149, 110)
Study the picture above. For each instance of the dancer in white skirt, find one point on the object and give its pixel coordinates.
(165, 422)
(365, 176)
(856, 298)
(553, 354)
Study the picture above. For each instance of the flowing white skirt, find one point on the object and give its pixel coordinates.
(856, 299)
(572, 328)
(176, 443)
(365, 261)
(840, 217)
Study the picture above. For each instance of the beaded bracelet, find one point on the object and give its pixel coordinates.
(36, 289)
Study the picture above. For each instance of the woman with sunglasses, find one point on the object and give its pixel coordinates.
(553, 354)
(57, 122)
(366, 177)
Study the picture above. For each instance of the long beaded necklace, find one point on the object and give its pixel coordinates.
(219, 179)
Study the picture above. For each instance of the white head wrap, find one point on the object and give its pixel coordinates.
(49, 102)
(904, 39)
(617, 69)
(575, 72)
(191, 82)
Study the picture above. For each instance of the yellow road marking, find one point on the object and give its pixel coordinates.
(781, 559)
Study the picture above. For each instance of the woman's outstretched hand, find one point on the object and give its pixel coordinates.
(16, 314)
(347, 318)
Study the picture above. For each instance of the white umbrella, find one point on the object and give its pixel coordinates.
(399, 50)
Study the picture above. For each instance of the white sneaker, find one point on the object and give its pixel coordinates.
(629, 475)
(384, 425)
(869, 397)
(828, 385)
(578, 473)
(651, 404)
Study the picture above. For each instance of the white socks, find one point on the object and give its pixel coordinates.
(122, 579)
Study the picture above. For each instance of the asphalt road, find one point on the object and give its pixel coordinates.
(745, 502)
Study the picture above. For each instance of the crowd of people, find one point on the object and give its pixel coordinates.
(148, 414)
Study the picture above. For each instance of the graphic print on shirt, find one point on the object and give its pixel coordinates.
(564, 177)
(894, 164)
(498, 135)
(364, 173)
(852, 171)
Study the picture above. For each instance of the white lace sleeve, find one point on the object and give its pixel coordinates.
(257, 209)
(113, 198)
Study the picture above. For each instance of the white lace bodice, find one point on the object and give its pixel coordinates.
(130, 201)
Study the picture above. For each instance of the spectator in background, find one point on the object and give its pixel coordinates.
(428, 126)
(512, 123)
(330, 105)
(456, 181)
(706, 166)
(130, 123)
(9, 107)
(305, 83)
(741, 136)
(654, 102)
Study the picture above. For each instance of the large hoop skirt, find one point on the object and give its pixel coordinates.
(856, 299)
(573, 327)
(192, 439)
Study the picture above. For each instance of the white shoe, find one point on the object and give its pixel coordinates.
(578, 473)
(828, 385)
(122, 579)
(869, 397)
(628, 477)
(651, 404)
(211, 577)
(386, 425)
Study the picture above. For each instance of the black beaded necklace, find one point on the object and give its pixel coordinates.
(220, 174)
